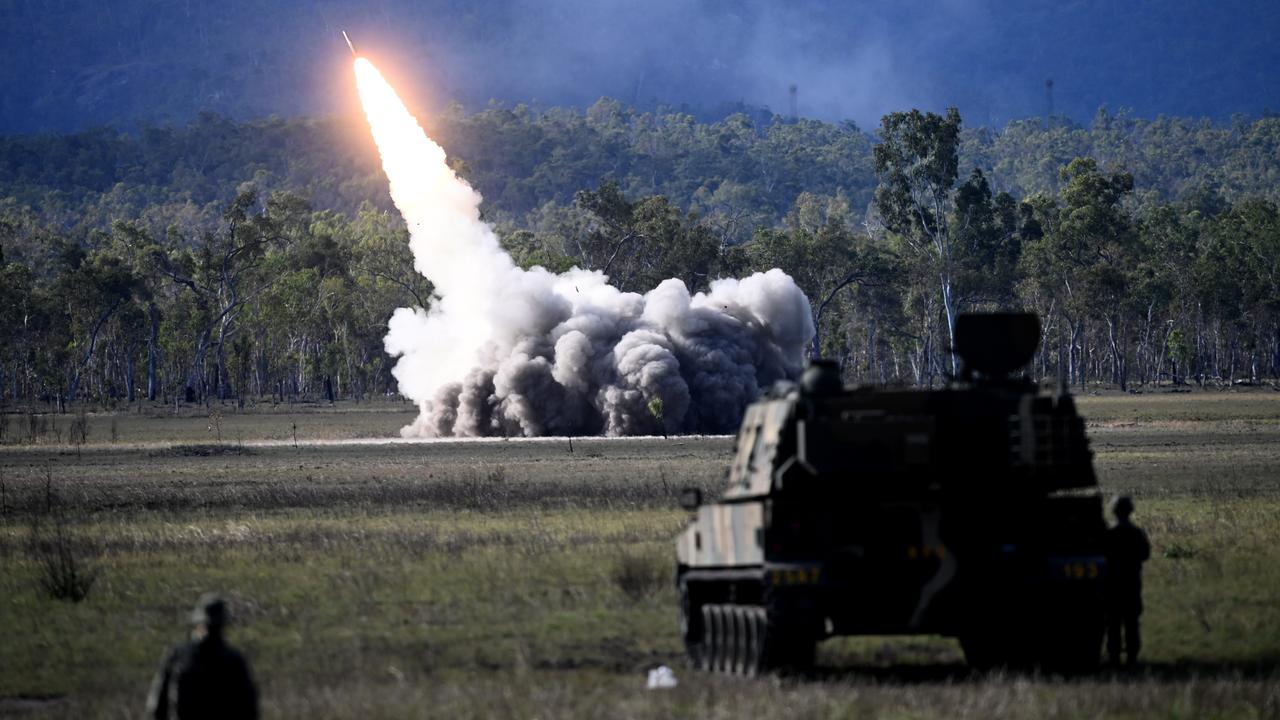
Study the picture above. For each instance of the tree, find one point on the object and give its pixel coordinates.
(640, 244)
(1238, 284)
(1086, 257)
(988, 232)
(221, 274)
(383, 260)
(134, 243)
(1162, 291)
(824, 256)
(94, 286)
(917, 162)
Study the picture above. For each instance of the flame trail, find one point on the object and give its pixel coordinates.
(507, 351)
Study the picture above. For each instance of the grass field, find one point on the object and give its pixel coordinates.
(531, 579)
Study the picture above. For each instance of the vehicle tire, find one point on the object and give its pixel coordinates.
(786, 646)
(754, 618)
(738, 639)
(707, 658)
(980, 653)
(690, 623)
(802, 653)
(772, 650)
(721, 643)
(1010, 648)
(1074, 652)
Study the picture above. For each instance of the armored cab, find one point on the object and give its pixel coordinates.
(970, 511)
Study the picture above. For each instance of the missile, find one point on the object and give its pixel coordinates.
(353, 47)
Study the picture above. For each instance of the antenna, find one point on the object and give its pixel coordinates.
(1048, 92)
(794, 90)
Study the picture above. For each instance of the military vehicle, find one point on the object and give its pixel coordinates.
(970, 511)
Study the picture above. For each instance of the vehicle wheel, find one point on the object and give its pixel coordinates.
(980, 653)
(802, 653)
(1010, 648)
(707, 658)
(738, 639)
(754, 624)
(785, 646)
(720, 643)
(772, 657)
(1073, 652)
(730, 648)
(691, 627)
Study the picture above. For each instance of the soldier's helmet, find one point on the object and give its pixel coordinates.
(210, 611)
(1122, 506)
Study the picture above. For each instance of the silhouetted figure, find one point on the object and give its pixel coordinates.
(1127, 549)
(204, 678)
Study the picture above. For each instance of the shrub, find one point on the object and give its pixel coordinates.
(1179, 552)
(201, 450)
(78, 433)
(63, 572)
(638, 576)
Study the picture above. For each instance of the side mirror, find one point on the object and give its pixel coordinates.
(690, 498)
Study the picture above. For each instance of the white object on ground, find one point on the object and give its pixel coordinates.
(661, 677)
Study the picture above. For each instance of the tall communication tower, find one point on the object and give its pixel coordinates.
(1048, 93)
(794, 90)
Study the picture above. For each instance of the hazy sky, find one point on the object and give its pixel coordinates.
(79, 62)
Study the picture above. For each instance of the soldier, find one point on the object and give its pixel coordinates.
(1127, 549)
(204, 678)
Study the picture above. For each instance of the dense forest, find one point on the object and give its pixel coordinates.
(261, 260)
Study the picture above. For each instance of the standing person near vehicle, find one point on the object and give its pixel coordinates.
(204, 678)
(1127, 549)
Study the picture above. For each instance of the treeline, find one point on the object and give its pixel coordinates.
(742, 171)
(127, 273)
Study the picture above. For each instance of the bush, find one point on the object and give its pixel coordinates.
(78, 433)
(639, 576)
(63, 572)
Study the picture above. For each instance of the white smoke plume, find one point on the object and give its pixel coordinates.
(507, 351)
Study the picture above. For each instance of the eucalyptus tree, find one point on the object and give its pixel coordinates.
(94, 284)
(917, 162)
(638, 244)
(825, 256)
(222, 274)
(1086, 259)
(1238, 284)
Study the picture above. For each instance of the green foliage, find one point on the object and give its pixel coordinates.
(918, 163)
(640, 244)
(655, 409)
(261, 260)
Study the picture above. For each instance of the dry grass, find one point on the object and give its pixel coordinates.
(146, 423)
(639, 576)
(62, 570)
(512, 579)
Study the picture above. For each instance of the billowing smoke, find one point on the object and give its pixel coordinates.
(507, 351)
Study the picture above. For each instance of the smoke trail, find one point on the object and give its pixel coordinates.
(509, 351)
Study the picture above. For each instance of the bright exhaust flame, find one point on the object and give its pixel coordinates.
(505, 351)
